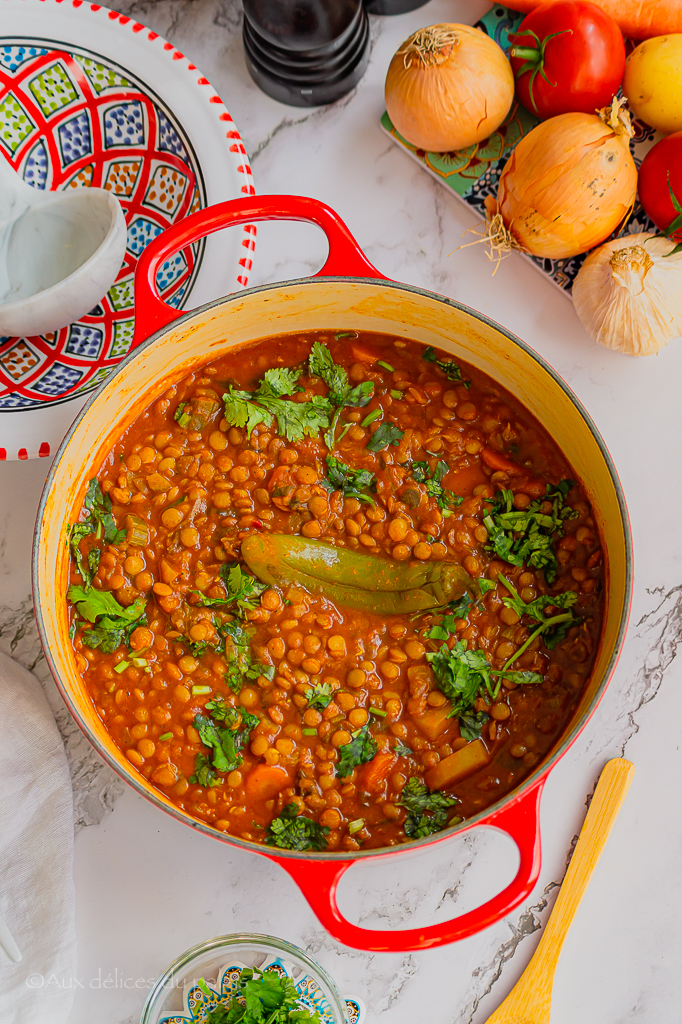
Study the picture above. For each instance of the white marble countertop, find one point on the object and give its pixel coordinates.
(147, 888)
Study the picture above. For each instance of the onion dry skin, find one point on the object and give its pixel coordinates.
(567, 185)
(449, 86)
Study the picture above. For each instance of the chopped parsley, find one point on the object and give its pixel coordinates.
(525, 537)
(401, 750)
(262, 997)
(554, 628)
(112, 622)
(353, 483)
(433, 482)
(427, 812)
(384, 435)
(242, 589)
(463, 675)
(226, 732)
(319, 696)
(272, 401)
(361, 749)
(321, 364)
(98, 520)
(240, 665)
(293, 831)
(448, 366)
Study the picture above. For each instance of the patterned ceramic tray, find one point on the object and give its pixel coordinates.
(98, 99)
(473, 173)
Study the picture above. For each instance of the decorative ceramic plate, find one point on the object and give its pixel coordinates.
(198, 1002)
(473, 173)
(95, 98)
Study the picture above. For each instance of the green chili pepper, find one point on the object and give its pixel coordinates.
(366, 582)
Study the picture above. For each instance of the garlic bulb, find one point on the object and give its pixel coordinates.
(628, 294)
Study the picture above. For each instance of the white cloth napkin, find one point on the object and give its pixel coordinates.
(36, 855)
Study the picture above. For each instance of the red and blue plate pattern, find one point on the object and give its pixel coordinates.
(71, 118)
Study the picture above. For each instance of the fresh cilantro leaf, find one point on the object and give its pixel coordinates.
(351, 482)
(296, 420)
(260, 998)
(461, 608)
(98, 507)
(99, 520)
(525, 537)
(448, 366)
(485, 585)
(427, 812)
(203, 774)
(319, 696)
(361, 749)
(433, 481)
(293, 831)
(460, 675)
(242, 590)
(113, 623)
(321, 364)
(240, 665)
(401, 750)
(385, 434)
(464, 675)
(280, 381)
(470, 725)
(76, 534)
(554, 628)
(240, 411)
(227, 743)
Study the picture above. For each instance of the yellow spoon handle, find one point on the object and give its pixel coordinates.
(530, 999)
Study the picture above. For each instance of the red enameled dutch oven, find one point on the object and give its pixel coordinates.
(347, 294)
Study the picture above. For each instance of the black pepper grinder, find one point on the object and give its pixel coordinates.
(306, 52)
(393, 6)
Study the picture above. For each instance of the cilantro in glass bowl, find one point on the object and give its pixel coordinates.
(247, 979)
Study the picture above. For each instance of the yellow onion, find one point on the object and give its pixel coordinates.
(447, 87)
(567, 185)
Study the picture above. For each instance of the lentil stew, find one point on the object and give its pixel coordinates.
(211, 608)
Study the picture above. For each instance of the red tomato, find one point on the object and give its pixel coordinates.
(663, 159)
(567, 56)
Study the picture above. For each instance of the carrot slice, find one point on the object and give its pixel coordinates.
(457, 766)
(376, 771)
(265, 781)
(362, 355)
(499, 462)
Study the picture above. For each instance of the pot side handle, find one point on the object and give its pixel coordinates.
(345, 259)
(319, 880)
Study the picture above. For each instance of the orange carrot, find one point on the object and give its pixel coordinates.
(376, 770)
(362, 355)
(637, 19)
(265, 781)
(500, 462)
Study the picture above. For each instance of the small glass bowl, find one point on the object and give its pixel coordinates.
(168, 998)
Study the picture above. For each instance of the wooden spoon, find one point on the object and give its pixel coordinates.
(530, 1001)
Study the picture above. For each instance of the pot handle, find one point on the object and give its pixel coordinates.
(345, 259)
(319, 880)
